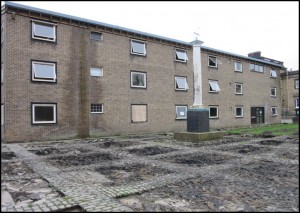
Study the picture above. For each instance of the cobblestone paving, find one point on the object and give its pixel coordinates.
(232, 174)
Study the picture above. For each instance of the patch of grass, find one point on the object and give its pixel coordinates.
(275, 129)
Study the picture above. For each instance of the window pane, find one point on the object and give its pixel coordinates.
(181, 83)
(96, 71)
(138, 47)
(239, 111)
(43, 30)
(212, 61)
(44, 113)
(238, 66)
(139, 113)
(138, 79)
(96, 36)
(96, 108)
(181, 55)
(44, 71)
(214, 86)
(238, 88)
(213, 112)
(181, 111)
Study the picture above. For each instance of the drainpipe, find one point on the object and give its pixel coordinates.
(198, 99)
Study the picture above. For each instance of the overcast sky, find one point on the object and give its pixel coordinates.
(237, 27)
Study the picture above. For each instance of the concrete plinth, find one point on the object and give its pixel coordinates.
(197, 137)
(198, 120)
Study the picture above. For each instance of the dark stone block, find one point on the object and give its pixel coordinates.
(198, 120)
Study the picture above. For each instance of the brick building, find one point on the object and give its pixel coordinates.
(290, 93)
(63, 76)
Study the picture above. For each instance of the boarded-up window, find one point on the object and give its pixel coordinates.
(138, 113)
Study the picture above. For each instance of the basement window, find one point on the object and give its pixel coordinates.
(43, 113)
(274, 111)
(43, 71)
(213, 86)
(180, 55)
(181, 83)
(138, 113)
(43, 30)
(213, 111)
(181, 112)
(273, 74)
(139, 79)
(96, 108)
(138, 47)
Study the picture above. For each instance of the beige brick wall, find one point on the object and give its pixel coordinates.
(289, 93)
(256, 91)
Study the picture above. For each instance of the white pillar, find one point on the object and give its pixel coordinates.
(197, 74)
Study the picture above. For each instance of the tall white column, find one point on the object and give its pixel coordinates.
(197, 74)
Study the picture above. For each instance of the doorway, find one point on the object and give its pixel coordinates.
(257, 115)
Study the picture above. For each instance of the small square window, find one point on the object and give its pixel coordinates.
(139, 79)
(273, 92)
(213, 111)
(273, 74)
(96, 71)
(238, 66)
(43, 30)
(213, 86)
(181, 112)
(212, 61)
(43, 71)
(138, 48)
(238, 89)
(239, 112)
(296, 83)
(274, 111)
(138, 113)
(181, 83)
(43, 113)
(96, 36)
(181, 55)
(96, 108)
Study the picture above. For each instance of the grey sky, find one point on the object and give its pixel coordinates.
(237, 27)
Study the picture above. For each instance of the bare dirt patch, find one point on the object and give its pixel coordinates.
(151, 150)
(112, 144)
(246, 149)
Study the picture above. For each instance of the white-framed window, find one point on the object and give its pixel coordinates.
(213, 86)
(296, 103)
(2, 73)
(181, 83)
(138, 113)
(238, 66)
(96, 108)
(213, 111)
(96, 36)
(256, 68)
(43, 30)
(96, 71)
(2, 114)
(138, 47)
(238, 88)
(273, 91)
(296, 83)
(239, 111)
(181, 55)
(43, 71)
(138, 79)
(274, 111)
(273, 74)
(43, 113)
(212, 61)
(181, 112)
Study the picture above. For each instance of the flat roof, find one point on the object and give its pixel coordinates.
(48, 12)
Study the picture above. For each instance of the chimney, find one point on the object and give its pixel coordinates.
(256, 54)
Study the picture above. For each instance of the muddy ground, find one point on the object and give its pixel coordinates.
(237, 173)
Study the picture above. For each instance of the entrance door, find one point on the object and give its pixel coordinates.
(257, 115)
